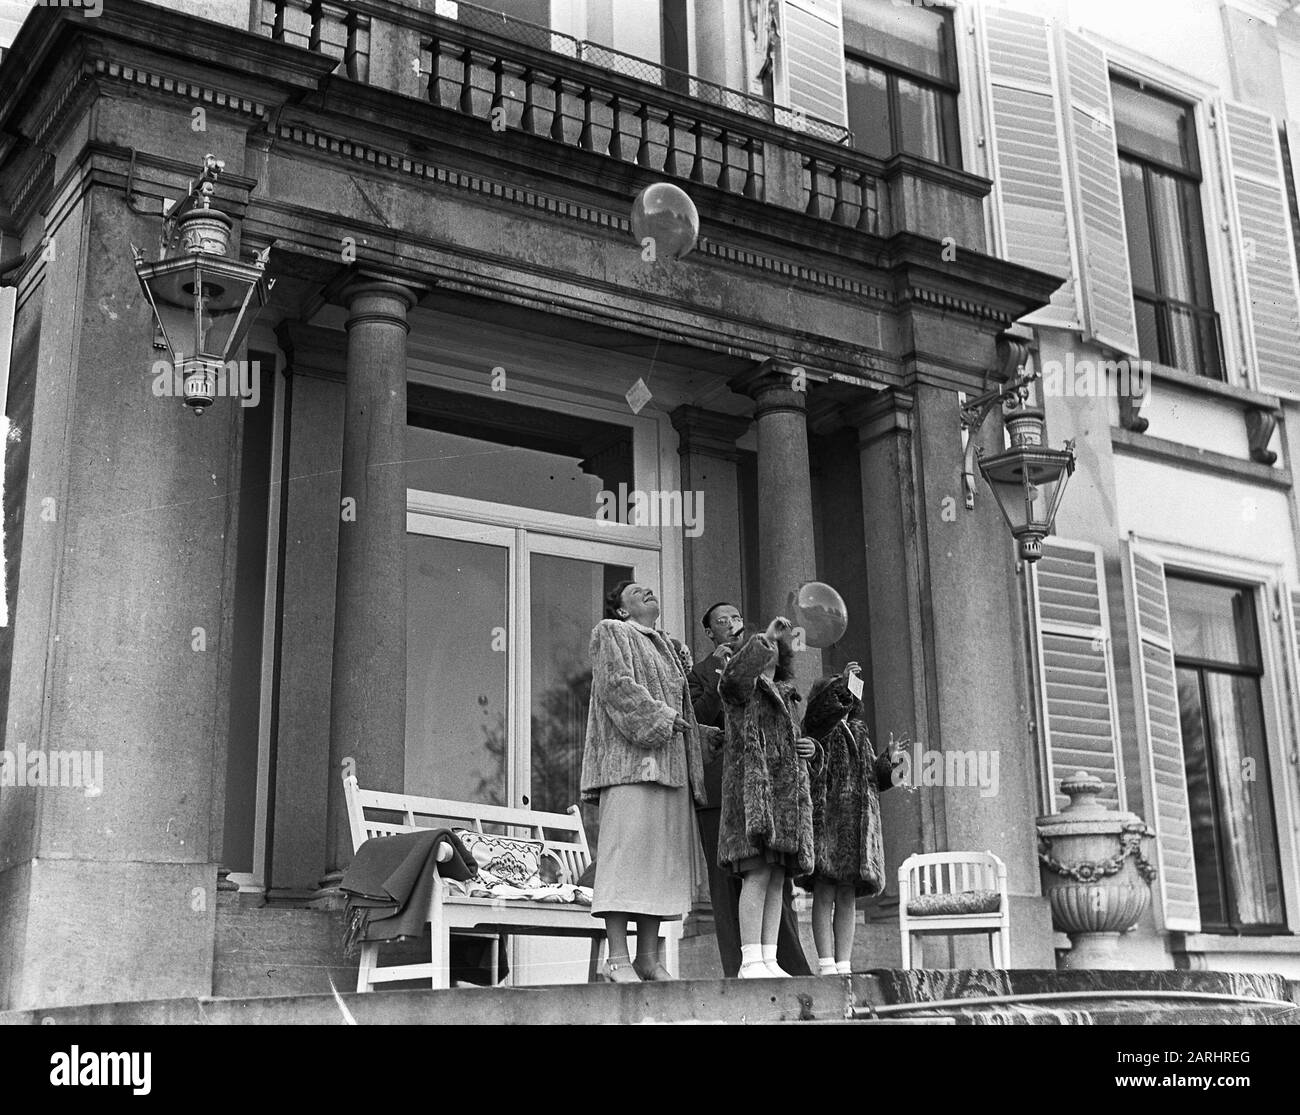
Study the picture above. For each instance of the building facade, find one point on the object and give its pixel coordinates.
(389, 541)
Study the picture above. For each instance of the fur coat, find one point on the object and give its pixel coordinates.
(638, 688)
(766, 805)
(847, 779)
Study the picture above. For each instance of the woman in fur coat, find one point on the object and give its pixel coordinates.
(766, 824)
(847, 780)
(642, 763)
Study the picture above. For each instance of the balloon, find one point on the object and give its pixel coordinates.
(821, 612)
(664, 213)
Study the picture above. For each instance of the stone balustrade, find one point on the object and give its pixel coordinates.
(587, 96)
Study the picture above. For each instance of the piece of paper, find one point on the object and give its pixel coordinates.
(638, 395)
(855, 685)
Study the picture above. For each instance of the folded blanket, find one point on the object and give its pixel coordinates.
(390, 882)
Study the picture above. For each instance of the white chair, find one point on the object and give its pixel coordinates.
(937, 891)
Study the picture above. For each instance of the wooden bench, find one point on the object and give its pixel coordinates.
(562, 835)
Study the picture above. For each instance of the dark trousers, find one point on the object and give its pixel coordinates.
(724, 889)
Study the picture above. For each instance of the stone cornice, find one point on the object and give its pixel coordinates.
(928, 277)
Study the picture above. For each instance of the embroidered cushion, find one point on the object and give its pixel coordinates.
(504, 859)
(963, 902)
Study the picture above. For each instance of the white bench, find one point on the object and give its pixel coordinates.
(562, 835)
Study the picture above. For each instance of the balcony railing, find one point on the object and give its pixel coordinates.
(528, 78)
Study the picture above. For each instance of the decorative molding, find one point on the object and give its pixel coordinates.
(1130, 413)
(887, 413)
(564, 208)
(189, 90)
(708, 432)
(1260, 425)
(1202, 460)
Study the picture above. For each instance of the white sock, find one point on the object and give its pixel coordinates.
(769, 959)
(751, 954)
(844, 967)
(825, 966)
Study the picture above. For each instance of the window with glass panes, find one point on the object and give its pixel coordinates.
(1225, 755)
(1160, 175)
(901, 79)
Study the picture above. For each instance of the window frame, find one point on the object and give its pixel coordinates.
(1267, 580)
(953, 147)
(1194, 178)
(1225, 279)
(1203, 667)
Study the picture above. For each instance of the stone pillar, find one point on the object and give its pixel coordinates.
(706, 443)
(948, 664)
(368, 693)
(787, 549)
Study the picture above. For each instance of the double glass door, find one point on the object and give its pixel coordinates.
(499, 620)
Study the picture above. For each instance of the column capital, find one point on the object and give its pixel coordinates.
(708, 432)
(774, 385)
(885, 413)
(378, 300)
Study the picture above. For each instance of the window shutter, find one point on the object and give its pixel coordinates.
(812, 58)
(1291, 613)
(8, 308)
(1162, 738)
(1076, 671)
(1262, 242)
(1105, 281)
(1026, 155)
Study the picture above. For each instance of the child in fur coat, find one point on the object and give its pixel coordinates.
(847, 778)
(765, 828)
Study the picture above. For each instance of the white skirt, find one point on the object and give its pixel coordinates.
(643, 858)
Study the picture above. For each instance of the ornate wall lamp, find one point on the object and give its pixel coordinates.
(204, 303)
(1028, 479)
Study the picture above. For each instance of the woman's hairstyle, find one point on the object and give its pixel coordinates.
(614, 599)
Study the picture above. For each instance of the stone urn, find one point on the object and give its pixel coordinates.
(1095, 872)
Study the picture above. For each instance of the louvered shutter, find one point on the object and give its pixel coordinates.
(812, 58)
(1162, 739)
(1105, 281)
(1076, 671)
(1263, 244)
(1027, 156)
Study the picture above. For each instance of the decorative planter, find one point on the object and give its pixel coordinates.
(1095, 872)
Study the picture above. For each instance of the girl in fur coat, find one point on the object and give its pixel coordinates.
(847, 778)
(766, 825)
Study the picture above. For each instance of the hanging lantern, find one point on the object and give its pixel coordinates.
(1029, 480)
(204, 303)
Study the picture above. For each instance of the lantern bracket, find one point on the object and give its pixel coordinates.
(1011, 396)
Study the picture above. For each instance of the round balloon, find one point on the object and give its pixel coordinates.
(668, 217)
(821, 612)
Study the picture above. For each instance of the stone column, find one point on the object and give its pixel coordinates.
(368, 692)
(706, 443)
(787, 549)
(947, 658)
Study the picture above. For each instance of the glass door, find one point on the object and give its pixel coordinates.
(459, 578)
(499, 620)
(565, 587)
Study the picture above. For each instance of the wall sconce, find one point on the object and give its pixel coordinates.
(204, 303)
(1028, 479)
